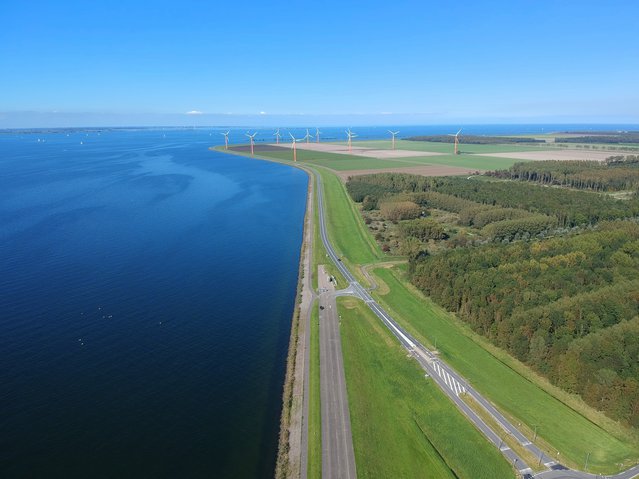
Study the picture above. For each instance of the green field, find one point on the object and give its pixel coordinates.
(319, 252)
(511, 392)
(403, 425)
(314, 408)
(345, 225)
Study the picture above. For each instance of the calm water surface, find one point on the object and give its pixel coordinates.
(146, 292)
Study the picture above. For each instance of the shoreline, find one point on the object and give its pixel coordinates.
(292, 449)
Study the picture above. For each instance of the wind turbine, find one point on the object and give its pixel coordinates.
(307, 136)
(277, 136)
(226, 139)
(252, 137)
(317, 134)
(294, 146)
(351, 135)
(456, 135)
(393, 133)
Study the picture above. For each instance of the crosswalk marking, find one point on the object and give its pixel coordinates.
(450, 381)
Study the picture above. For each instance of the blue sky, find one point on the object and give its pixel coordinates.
(134, 62)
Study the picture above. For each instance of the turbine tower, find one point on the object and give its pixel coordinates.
(226, 139)
(307, 137)
(252, 137)
(456, 135)
(351, 135)
(277, 136)
(294, 146)
(393, 133)
(317, 134)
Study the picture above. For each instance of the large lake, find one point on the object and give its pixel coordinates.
(146, 292)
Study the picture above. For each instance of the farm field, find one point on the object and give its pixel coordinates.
(403, 425)
(340, 162)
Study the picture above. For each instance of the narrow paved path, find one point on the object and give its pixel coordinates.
(338, 457)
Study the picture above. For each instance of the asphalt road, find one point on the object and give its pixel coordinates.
(338, 458)
(450, 381)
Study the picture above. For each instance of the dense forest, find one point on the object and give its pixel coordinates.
(570, 207)
(616, 174)
(550, 274)
(550, 303)
(476, 139)
(607, 137)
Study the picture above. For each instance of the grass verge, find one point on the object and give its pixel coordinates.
(314, 409)
(346, 228)
(403, 425)
(562, 428)
(507, 439)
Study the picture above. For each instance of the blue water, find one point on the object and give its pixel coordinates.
(146, 292)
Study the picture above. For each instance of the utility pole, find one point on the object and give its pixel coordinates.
(535, 436)
(586, 464)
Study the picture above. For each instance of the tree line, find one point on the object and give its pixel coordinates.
(551, 303)
(617, 173)
(570, 207)
(475, 139)
(605, 137)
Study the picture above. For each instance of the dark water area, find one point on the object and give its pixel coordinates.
(146, 292)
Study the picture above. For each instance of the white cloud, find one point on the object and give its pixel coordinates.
(262, 113)
(195, 112)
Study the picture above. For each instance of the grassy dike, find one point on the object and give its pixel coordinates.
(403, 425)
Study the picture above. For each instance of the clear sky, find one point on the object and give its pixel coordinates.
(141, 62)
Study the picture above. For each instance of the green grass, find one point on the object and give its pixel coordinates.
(346, 228)
(314, 409)
(561, 427)
(319, 252)
(403, 425)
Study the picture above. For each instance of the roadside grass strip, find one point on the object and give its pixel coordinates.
(346, 228)
(402, 423)
(508, 440)
(559, 427)
(314, 410)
